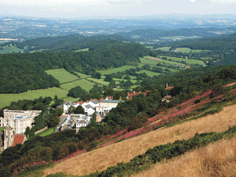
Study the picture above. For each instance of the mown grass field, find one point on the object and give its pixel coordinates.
(6, 99)
(188, 50)
(82, 50)
(84, 84)
(166, 49)
(82, 75)
(149, 73)
(98, 81)
(62, 75)
(188, 61)
(11, 49)
(115, 70)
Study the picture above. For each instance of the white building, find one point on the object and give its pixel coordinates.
(90, 107)
(105, 106)
(19, 120)
(67, 105)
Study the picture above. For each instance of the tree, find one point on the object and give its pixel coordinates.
(27, 132)
(71, 109)
(108, 78)
(79, 110)
(76, 92)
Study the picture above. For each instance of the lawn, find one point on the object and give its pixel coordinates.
(46, 132)
(62, 75)
(2, 128)
(6, 99)
(84, 84)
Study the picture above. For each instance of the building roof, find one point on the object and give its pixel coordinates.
(82, 122)
(169, 88)
(18, 139)
(110, 101)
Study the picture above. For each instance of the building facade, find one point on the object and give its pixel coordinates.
(19, 120)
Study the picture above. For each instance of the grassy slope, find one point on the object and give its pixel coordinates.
(124, 151)
(201, 162)
(84, 84)
(6, 99)
(10, 49)
(62, 75)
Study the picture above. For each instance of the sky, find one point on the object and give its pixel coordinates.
(86, 9)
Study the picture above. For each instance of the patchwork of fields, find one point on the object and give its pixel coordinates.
(68, 80)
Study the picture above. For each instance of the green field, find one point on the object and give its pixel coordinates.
(166, 49)
(84, 84)
(188, 50)
(146, 60)
(46, 132)
(82, 75)
(6, 99)
(82, 50)
(98, 81)
(11, 49)
(149, 73)
(62, 75)
(115, 70)
(188, 61)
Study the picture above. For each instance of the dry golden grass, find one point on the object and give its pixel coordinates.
(217, 159)
(124, 151)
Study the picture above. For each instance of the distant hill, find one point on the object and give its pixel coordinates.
(65, 43)
(156, 33)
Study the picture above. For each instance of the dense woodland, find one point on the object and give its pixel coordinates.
(66, 43)
(22, 72)
(157, 34)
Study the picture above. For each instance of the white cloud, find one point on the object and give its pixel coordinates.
(223, 1)
(193, 1)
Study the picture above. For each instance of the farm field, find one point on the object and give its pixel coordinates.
(98, 81)
(166, 49)
(82, 76)
(82, 50)
(84, 84)
(188, 61)
(115, 70)
(11, 49)
(62, 75)
(6, 99)
(149, 73)
(188, 50)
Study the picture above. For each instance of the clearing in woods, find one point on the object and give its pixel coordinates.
(102, 158)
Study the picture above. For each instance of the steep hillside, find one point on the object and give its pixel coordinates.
(217, 159)
(124, 151)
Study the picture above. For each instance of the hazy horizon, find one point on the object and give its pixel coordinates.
(92, 9)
